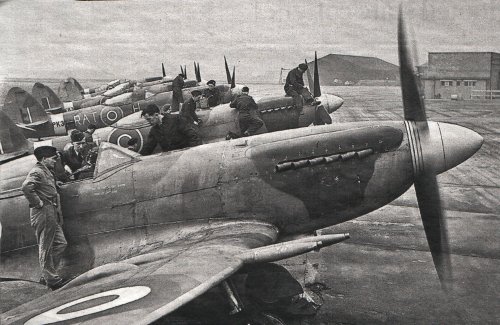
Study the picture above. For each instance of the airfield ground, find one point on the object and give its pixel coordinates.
(384, 273)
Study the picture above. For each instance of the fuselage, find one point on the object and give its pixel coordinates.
(299, 180)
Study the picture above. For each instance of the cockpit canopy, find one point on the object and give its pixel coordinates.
(111, 157)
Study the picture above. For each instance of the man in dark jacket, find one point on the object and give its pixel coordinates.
(249, 118)
(188, 110)
(170, 131)
(79, 157)
(40, 190)
(294, 86)
(212, 94)
(177, 85)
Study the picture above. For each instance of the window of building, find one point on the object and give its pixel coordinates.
(469, 83)
(458, 83)
(447, 83)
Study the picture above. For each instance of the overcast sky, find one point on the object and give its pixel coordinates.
(130, 38)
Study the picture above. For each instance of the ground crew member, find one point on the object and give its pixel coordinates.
(40, 190)
(212, 94)
(79, 155)
(294, 87)
(170, 131)
(88, 134)
(249, 118)
(177, 85)
(188, 111)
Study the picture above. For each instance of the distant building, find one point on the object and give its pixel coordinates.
(457, 74)
(338, 69)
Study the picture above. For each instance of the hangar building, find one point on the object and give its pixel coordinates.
(461, 75)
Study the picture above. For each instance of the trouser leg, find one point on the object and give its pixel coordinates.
(308, 98)
(176, 100)
(255, 123)
(297, 98)
(244, 121)
(46, 228)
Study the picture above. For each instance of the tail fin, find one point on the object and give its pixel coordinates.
(22, 108)
(46, 97)
(70, 90)
(13, 144)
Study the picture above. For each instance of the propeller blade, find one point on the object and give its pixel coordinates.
(182, 72)
(228, 74)
(233, 79)
(414, 109)
(309, 78)
(185, 73)
(434, 225)
(163, 70)
(195, 71)
(198, 75)
(317, 88)
(426, 186)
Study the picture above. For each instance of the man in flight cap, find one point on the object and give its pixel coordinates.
(294, 87)
(40, 190)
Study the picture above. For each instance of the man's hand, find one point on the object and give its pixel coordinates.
(40, 205)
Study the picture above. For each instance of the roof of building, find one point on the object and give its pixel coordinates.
(459, 65)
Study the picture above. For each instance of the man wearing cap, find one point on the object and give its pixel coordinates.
(40, 190)
(79, 157)
(170, 131)
(294, 86)
(177, 98)
(248, 118)
(88, 134)
(188, 110)
(212, 94)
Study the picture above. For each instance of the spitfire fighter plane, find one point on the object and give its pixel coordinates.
(148, 235)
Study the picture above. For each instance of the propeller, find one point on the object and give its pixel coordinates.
(317, 89)
(163, 70)
(426, 187)
(228, 74)
(233, 80)
(185, 73)
(197, 71)
(309, 77)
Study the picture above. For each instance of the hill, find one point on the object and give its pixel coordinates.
(338, 69)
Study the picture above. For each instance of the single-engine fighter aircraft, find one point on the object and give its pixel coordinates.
(148, 235)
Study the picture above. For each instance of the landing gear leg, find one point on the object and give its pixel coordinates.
(232, 295)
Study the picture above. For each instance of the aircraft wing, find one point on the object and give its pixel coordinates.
(144, 288)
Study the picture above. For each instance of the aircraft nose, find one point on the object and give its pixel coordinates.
(331, 102)
(459, 143)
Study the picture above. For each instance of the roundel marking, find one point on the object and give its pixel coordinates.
(121, 137)
(123, 296)
(111, 115)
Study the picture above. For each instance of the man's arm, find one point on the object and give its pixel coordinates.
(150, 144)
(234, 103)
(28, 188)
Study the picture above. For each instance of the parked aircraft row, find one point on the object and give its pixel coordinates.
(150, 234)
